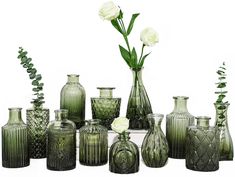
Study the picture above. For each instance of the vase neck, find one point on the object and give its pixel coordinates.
(180, 104)
(14, 115)
(61, 114)
(137, 76)
(106, 92)
(125, 136)
(155, 120)
(73, 79)
(203, 122)
(93, 122)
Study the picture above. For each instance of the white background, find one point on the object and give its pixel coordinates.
(68, 36)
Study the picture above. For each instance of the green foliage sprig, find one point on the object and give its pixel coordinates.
(26, 62)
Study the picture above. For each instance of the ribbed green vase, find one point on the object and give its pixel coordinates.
(93, 144)
(15, 152)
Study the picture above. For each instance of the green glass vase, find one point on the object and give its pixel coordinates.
(93, 144)
(226, 143)
(37, 121)
(124, 155)
(72, 98)
(202, 146)
(176, 124)
(15, 152)
(105, 108)
(61, 142)
(154, 148)
(138, 104)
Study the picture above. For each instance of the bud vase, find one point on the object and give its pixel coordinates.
(72, 98)
(105, 108)
(226, 143)
(61, 142)
(202, 146)
(15, 141)
(154, 148)
(138, 104)
(176, 124)
(37, 121)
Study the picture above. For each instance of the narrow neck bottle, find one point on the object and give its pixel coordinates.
(106, 92)
(180, 104)
(155, 120)
(125, 136)
(137, 77)
(73, 79)
(15, 116)
(61, 114)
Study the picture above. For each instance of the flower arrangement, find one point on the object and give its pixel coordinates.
(149, 37)
(120, 125)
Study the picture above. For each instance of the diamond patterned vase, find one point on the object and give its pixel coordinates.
(202, 146)
(105, 108)
(61, 143)
(37, 120)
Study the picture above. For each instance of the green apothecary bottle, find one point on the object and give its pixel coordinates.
(176, 124)
(105, 108)
(124, 155)
(15, 152)
(202, 146)
(93, 144)
(37, 121)
(226, 142)
(61, 142)
(155, 148)
(72, 98)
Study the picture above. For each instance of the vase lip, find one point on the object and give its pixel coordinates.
(181, 97)
(73, 75)
(15, 109)
(155, 115)
(93, 121)
(105, 88)
(227, 104)
(203, 117)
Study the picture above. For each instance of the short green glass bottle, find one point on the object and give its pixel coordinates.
(93, 144)
(105, 108)
(15, 152)
(154, 148)
(176, 123)
(61, 142)
(37, 121)
(124, 155)
(72, 98)
(202, 146)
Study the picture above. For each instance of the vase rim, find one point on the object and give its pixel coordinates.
(203, 117)
(181, 97)
(105, 88)
(222, 104)
(73, 75)
(15, 108)
(93, 121)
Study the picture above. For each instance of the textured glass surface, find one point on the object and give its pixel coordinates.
(61, 143)
(105, 108)
(154, 149)
(93, 144)
(72, 98)
(138, 104)
(176, 124)
(226, 143)
(202, 147)
(14, 141)
(37, 121)
(124, 156)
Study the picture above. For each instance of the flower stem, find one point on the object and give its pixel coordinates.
(142, 52)
(125, 35)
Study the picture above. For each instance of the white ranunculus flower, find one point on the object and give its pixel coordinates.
(109, 11)
(149, 36)
(120, 124)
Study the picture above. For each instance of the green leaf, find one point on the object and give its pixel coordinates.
(29, 60)
(33, 71)
(134, 57)
(25, 65)
(223, 92)
(32, 76)
(222, 68)
(38, 77)
(116, 25)
(142, 60)
(35, 83)
(23, 60)
(41, 85)
(30, 66)
(120, 15)
(36, 89)
(222, 78)
(221, 73)
(131, 24)
(125, 55)
(221, 85)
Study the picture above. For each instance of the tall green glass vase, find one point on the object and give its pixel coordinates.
(138, 104)
(124, 155)
(72, 98)
(93, 144)
(226, 143)
(37, 121)
(15, 141)
(61, 142)
(154, 148)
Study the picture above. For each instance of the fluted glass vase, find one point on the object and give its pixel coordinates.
(37, 121)
(15, 152)
(202, 146)
(154, 148)
(226, 143)
(93, 143)
(73, 98)
(138, 104)
(124, 155)
(105, 108)
(61, 142)
(176, 124)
